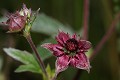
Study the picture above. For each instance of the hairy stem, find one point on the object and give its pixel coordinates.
(85, 19)
(29, 39)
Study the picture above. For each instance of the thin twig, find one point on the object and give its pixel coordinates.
(29, 39)
(85, 19)
(106, 36)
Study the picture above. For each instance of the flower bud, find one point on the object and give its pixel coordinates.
(17, 21)
(25, 11)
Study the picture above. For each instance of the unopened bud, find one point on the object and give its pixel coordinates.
(25, 11)
(17, 21)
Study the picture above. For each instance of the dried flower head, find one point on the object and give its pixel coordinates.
(17, 21)
(70, 51)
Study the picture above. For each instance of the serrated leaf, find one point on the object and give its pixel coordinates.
(48, 25)
(24, 57)
(28, 67)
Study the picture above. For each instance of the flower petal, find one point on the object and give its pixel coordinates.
(56, 49)
(80, 61)
(74, 36)
(15, 22)
(62, 63)
(83, 44)
(62, 37)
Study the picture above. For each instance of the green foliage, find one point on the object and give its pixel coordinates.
(42, 51)
(89, 53)
(49, 26)
(71, 11)
(24, 57)
(50, 72)
(28, 67)
(46, 25)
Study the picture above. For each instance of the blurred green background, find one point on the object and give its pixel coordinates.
(68, 16)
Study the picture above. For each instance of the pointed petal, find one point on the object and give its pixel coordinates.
(62, 63)
(56, 49)
(62, 37)
(74, 36)
(83, 44)
(80, 61)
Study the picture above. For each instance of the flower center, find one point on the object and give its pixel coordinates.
(71, 45)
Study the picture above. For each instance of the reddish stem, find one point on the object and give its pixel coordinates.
(85, 19)
(106, 36)
(102, 42)
(29, 39)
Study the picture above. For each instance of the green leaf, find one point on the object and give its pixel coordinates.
(50, 72)
(43, 52)
(48, 25)
(28, 67)
(89, 52)
(24, 57)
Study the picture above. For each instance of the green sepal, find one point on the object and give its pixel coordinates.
(50, 72)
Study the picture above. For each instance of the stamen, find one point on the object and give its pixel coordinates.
(71, 45)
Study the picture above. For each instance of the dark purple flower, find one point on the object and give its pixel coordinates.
(17, 21)
(70, 51)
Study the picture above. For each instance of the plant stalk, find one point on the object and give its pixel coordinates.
(106, 36)
(29, 39)
(85, 19)
(101, 43)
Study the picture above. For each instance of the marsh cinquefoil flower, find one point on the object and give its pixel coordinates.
(70, 51)
(17, 21)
